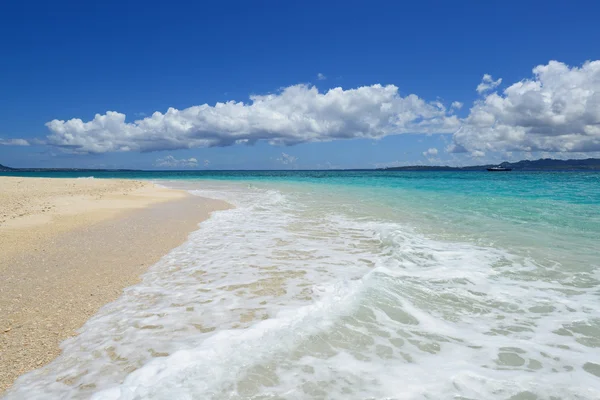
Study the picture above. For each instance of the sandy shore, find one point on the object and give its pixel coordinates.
(69, 246)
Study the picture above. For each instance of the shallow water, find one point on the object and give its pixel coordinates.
(357, 286)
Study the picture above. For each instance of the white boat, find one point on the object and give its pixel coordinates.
(499, 168)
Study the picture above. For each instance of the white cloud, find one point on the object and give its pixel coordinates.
(455, 148)
(287, 159)
(430, 152)
(487, 83)
(206, 163)
(172, 162)
(558, 110)
(297, 114)
(321, 77)
(14, 142)
(477, 154)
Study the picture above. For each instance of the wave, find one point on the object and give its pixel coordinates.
(285, 297)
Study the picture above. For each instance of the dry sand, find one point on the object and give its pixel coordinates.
(69, 246)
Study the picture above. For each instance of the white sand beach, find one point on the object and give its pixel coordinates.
(69, 246)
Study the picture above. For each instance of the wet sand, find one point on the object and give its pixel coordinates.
(69, 246)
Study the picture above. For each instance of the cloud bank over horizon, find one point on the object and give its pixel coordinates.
(556, 110)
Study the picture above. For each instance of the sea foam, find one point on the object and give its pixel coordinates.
(294, 295)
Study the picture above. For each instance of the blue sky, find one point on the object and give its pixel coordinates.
(69, 60)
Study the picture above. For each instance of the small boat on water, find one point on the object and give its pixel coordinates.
(499, 168)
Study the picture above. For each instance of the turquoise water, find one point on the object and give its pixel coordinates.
(357, 285)
(556, 210)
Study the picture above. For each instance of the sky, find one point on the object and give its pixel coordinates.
(297, 85)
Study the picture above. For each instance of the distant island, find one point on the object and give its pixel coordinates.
(544, 164)
(4, 168)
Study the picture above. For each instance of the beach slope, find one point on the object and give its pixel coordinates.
(69, 246)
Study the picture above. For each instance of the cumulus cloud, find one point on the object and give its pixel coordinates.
(172, 162)
(557, 110)
(14, 142)
(457, 105)
(455, 148)
(297, 114)
(488, 83)
(287, 159)
(321, 77)
(430, 152)
(206, 163)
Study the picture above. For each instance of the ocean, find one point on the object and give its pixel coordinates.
(356, 285)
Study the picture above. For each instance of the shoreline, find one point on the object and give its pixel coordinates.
(70, 246)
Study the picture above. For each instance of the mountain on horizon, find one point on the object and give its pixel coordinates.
(4, 168)
(543, 164)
